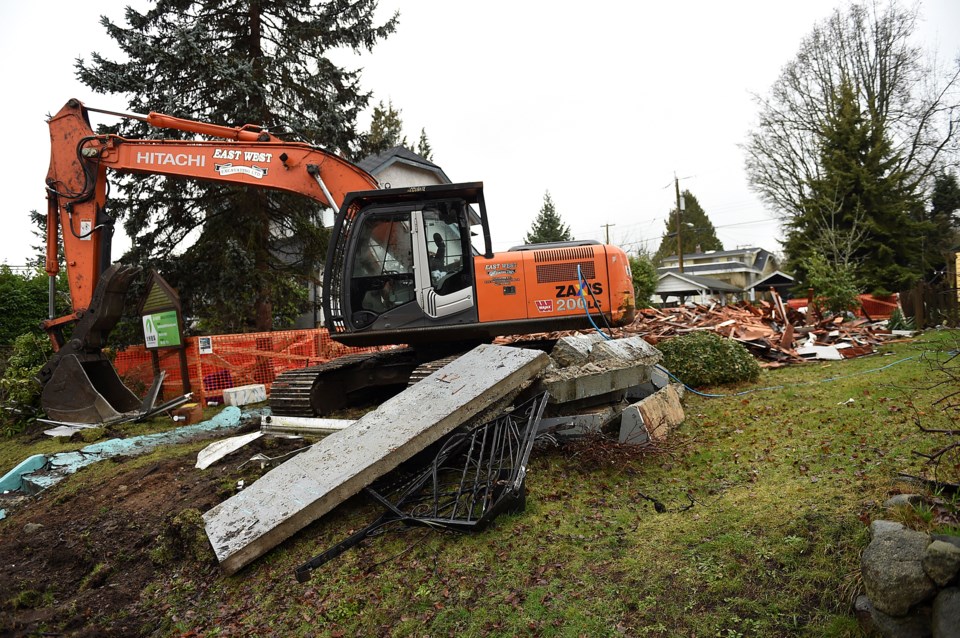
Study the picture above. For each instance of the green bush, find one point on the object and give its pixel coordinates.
(644, 275)
(23, 302)
(704, 358)
(898, 321)
(19, 389)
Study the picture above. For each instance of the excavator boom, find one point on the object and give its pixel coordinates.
(77, 178)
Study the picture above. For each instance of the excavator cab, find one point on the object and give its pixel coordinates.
(410, 266)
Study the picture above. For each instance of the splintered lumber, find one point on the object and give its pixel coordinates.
(296, 493)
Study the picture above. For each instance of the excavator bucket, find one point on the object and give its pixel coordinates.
(88, 391)
(80, 385)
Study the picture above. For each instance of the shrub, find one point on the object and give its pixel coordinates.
(703, 358)
(834, 284)
(23, 302)
(19, 389)
(898, 321)
(644, 275)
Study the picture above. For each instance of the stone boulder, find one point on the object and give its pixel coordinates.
(941, 562)
(892, 568)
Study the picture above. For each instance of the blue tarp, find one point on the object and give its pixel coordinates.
(60, 465)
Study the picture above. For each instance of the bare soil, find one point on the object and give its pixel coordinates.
(75, 558)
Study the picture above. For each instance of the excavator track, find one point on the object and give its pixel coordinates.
(348, 380)
(424, 370)
(358, 379)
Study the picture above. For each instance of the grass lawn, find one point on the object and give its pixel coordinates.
(768, 491)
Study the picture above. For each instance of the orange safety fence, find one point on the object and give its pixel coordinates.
(876, 308)
(218, 362)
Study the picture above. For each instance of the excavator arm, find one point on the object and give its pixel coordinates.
(80, 384)
(248, 155)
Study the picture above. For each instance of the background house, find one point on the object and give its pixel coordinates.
(720, 274)
(400, 167)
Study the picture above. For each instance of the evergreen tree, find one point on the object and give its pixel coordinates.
(943, 240)
(234, 62)
(548, 226)
(860, 193)
(386, 131)
(424, 149)
(697, 233)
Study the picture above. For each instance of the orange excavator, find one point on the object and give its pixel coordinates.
(402, 266)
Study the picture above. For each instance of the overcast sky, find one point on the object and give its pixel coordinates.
(600, 104)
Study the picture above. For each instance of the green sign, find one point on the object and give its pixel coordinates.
(161, 329)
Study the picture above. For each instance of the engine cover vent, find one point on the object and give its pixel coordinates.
(563, 254)
(550, 273)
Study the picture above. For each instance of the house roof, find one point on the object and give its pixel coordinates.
(725, 266)
(774, 279)
(375, 164)
(763, 254)
(697, 283)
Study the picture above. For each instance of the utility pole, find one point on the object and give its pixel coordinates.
(676, 186)
(607, 226)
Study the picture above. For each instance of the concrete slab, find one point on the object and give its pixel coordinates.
(295, 494)
(574, 384)
(574, 350)
(652, 418)
(625, 352)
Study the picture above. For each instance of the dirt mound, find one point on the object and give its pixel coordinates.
(75, 559)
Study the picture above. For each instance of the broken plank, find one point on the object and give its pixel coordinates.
(293, 495)
(219, 449)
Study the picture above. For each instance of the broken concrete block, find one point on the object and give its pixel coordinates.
(245, 394)
(573, 384)
(652, 418)
(658, 381)
(574, 350)
(578, 425)
(613, 366)
(296, 493)
(219, 449)
(625, 352)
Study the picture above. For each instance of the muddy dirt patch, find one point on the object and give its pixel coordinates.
(75, 559)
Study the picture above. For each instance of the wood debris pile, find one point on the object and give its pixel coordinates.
(772, 331)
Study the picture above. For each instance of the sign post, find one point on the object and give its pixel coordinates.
(160, 315)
